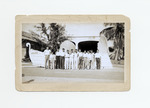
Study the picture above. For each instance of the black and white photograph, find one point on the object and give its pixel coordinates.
(73, 52)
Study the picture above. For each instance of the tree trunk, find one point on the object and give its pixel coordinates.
(116, 55)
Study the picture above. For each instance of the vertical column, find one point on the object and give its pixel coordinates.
(77, 45)
(98, 45)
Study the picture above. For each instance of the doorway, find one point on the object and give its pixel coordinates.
(88, 45)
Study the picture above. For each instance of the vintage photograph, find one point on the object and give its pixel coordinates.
(73, 53)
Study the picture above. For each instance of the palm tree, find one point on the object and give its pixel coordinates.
(116, 33)
(55, 36)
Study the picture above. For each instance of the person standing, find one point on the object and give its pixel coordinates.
(47, 54)
(57, 59)
(92, 60)
(71, 59)
(62, 59)
(80, 55)
(52, 61)
(67, 56)
(75, 59)
(88, 59)
(98, 59)
(85, 60)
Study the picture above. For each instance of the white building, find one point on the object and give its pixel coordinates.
(90, 43)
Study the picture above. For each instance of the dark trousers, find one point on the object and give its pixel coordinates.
(62, 62)
(98, 63)
(57, 62)
(90, 64)
(80, 63)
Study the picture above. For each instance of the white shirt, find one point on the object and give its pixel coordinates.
(62, 53)
(75, 55)
(91, 56)
(47, 52)
(88, 55)
(97, 55)
(57, 53)
(80, 54)
(84, 54)
(67, 55)
(54, 57)
(71, 55)
(51, 56)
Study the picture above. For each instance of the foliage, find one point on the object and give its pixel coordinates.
(116, 33)
(56, 35)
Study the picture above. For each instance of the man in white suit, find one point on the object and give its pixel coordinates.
(47, 54)
(75, 59)
(67, 57)
(88, 55)
(52, 61)
(85, 60)
(71, 59)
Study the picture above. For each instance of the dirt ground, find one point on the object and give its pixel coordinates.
(32, 74)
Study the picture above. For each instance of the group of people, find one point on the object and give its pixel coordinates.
(72, 60)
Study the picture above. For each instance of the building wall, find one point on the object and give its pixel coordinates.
(78, 39)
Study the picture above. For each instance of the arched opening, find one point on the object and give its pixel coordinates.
(73, 42)
(67, 45)
(88, 45)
